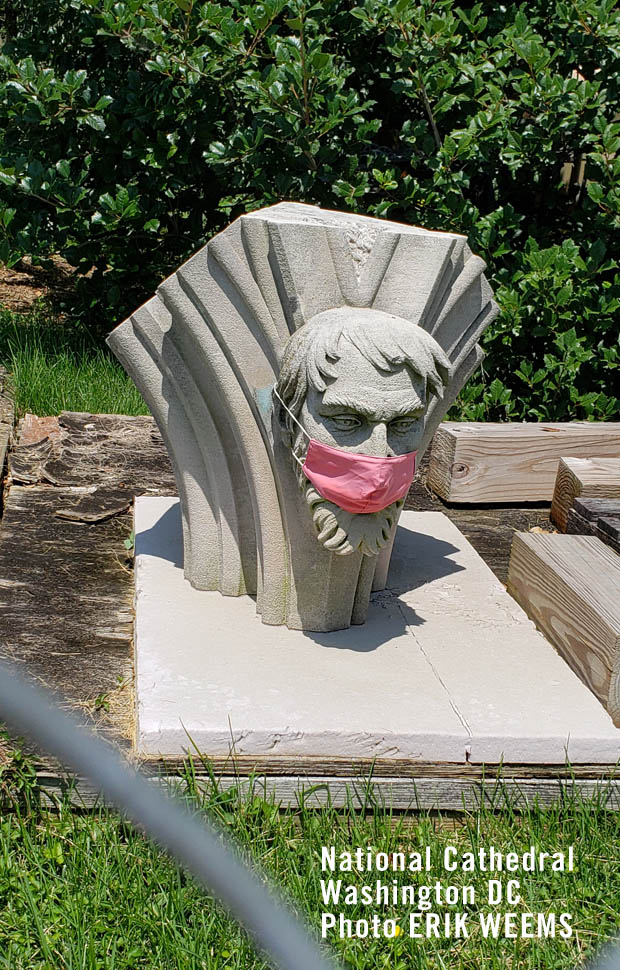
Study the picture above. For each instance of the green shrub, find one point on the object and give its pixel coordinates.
(132, 131)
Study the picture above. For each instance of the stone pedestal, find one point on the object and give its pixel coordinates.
(447, 667)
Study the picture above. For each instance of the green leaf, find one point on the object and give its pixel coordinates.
(595, 191)
(95, 121)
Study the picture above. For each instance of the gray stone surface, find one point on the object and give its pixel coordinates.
(447, 667)
(408, 307)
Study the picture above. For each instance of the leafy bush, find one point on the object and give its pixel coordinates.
(132, 131)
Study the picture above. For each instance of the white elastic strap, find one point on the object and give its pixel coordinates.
(301, 428)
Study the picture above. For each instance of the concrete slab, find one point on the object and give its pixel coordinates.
(447, 668)
(519, 699)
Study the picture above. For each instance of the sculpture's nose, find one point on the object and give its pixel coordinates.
(377, 443)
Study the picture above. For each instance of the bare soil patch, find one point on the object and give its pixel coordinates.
(22, 286)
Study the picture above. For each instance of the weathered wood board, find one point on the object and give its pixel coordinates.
(7, 418)
(94, 449)
(586, 478)
(570, 586)
(449, 793)
(66, 579)
(478, 462)
(599, 517)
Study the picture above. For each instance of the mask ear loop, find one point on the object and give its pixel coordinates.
(301, 428)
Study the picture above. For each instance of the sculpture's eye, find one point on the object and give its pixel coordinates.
(346, 422)
(403, 425)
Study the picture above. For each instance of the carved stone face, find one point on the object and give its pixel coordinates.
(358, 380)
(371, 413)
(365, 410)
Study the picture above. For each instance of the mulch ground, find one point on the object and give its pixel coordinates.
(22, 286)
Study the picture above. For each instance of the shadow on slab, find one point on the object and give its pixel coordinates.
(388, 618)
(164, 539)
(417, 559)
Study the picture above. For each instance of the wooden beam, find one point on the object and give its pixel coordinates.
(598, 517)
(456, 794)
(583, 477)
(303, 766)
(66, 582)
(401, 784)
(569, 585)
(495, 463)
(7, 417)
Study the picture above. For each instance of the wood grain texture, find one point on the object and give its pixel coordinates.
(599, 517)
(312, 765)
(66, 600)
(456, 794)
(94, 449)
(583, 477)
(496, 463)
(66, 578)
(570, 586)
(7, 418)
(401, 784)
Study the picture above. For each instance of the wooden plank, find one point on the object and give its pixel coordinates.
(570, 586)
(7, 417)
(583, 477)
(594, 509)
(496, 463)
(96, 449)
(402, 794)
(599, 517)
(66, 602)
(307, 765)
(66, 577)
(401, 784)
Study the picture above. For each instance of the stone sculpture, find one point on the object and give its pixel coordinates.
(297, 323)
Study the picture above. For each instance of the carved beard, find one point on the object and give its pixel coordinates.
(343, 532)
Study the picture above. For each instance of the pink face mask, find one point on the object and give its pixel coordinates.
(354, 482)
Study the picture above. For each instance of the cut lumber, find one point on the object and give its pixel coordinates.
(598, 517)
(570, 587)
(495, 463)
(586, 477)
(7, 417)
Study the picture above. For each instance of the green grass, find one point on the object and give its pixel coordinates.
(85, 890)
(62, 367)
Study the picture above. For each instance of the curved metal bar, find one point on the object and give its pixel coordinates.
(203, 850)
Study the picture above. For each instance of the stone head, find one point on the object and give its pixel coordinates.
(359, 380)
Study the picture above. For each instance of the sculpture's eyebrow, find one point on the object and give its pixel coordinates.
(338, 403)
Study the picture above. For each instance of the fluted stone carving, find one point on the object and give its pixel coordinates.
(207, 350)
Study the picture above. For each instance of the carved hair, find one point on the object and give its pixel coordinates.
(383, 339)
